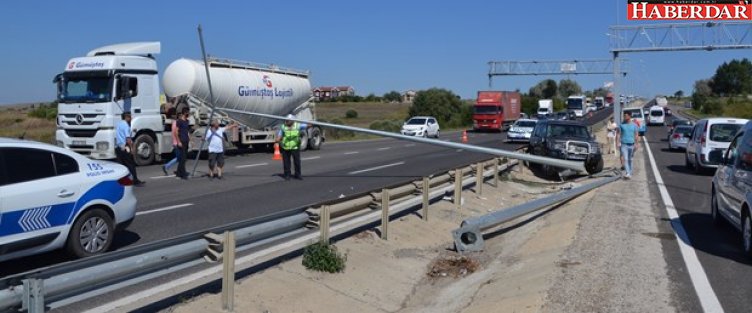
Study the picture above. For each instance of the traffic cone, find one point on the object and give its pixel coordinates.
(464, 136)
(277, 156)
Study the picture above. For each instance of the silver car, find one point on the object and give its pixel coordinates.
(679, 137)
(521, 130)
(731, 194)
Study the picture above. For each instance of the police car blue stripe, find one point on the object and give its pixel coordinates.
(36, 218)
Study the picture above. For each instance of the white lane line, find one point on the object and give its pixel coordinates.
(410, 145)
(351, 152)
(384, 148)
(310, 158)
(376, 168)
(704, 290)
(167, 208)
(160, 177)
(251, 165)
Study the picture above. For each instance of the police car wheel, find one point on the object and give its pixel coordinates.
(91, 234)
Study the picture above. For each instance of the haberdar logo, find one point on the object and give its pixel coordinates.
(739, 10)
(267, 81)
(71, 65)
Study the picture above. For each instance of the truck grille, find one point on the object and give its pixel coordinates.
(79, 133)
(577, 147)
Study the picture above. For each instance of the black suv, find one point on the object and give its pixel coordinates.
(566, 140)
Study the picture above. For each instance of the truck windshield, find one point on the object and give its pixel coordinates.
(486, 109)
(85, 87)
(574, 104)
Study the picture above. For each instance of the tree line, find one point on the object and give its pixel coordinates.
(727, 91)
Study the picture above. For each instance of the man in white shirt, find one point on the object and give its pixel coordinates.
(215, 138)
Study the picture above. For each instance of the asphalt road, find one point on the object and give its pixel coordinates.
(718, 249)
(253, 187)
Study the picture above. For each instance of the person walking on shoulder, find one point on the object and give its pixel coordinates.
(288, 137)
(124, 146)
(627, 140)
(217, 149)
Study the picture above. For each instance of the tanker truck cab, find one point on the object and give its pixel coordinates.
(93, 92)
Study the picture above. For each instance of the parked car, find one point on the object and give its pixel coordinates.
(657, 116)
(567, 140)
(421, 126)
(637, 115)
(677, 122)
(708, 135)
(730, 196)
(521, 130)
(54, 198)
(679, 137)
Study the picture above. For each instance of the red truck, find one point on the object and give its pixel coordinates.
(496, 110)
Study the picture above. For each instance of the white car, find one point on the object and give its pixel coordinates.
(708, 135)
(521, 130)
(54, 198)
(657, 116)
(421, 126)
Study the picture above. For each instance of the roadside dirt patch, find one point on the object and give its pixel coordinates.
(454, 266)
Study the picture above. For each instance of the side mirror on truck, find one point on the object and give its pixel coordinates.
(127, 87)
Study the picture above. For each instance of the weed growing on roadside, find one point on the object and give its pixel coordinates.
(324, 258)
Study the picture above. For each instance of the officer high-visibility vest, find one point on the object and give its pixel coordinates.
(291, 137)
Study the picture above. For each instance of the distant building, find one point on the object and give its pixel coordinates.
(330, 93)
(408, 96)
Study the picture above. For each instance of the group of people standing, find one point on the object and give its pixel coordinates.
(289, 138)
(625, 137)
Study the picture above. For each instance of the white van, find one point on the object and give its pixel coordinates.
(710, 134)
(657, 116)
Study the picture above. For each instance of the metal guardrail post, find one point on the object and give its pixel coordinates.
(496, 173)
(458, 188)
(479, 178)
(324, 224)
(228, 272)
(426, 191)
(33, 295)
(384, 213)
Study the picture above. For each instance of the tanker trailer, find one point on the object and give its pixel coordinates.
(247, 87)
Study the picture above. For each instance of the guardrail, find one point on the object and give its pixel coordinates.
(57, 286)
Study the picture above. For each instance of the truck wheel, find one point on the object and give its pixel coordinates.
(91, 234)
(144, 150)
(303, 141)
(314, 142)
(594, 164)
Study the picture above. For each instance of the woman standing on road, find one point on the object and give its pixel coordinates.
(611, 136)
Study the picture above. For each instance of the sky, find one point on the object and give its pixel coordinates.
(374, 46)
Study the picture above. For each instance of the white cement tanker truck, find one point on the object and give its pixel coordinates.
(94, 90)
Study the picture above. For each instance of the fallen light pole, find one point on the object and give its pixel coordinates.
(572, 165)
(469, 236)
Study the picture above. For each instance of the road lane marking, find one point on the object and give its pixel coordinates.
(311, 158)
(160, 177)
(384, 148)
(251, 165)
(376, 168)
(708, 299)
(351, 152)
(167, 208)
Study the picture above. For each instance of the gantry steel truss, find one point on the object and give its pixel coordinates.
(551, 67)
(681, 36)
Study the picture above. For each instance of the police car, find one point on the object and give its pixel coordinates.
(54, 198)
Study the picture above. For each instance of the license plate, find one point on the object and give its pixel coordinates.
(79, 143)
